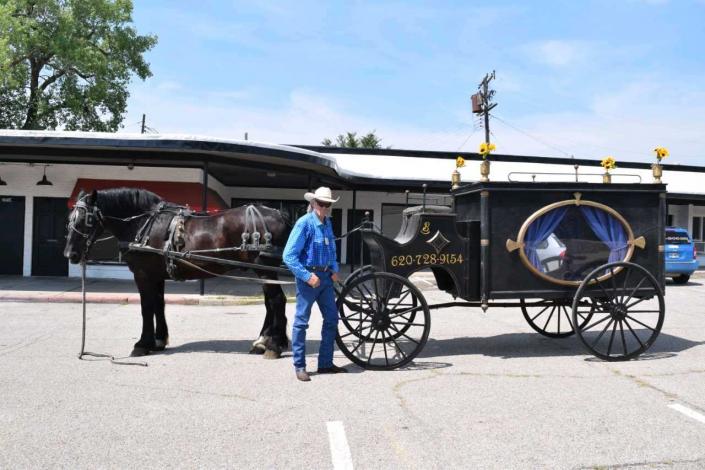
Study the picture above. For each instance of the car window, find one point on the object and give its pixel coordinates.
(674, 237)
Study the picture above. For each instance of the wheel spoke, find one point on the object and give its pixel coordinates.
(357, 332)
(549, 317)
(364, 298)
(372, 349)
(642, 324)
(409, 324)
(603, 332)
(636, 288)
(374, 306)
(614, 282)
(567, 316)
(609, 346)
(636, 302)
(362, 341)
(542, 310)
(634, 333)
(607, 296)
(596, 323)
(397, 347)
(358, 314)
(413, 309)
(405, 335)
(384, 345)
(624, 343)
(626, 284)
(401, 297)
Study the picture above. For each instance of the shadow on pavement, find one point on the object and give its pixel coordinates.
(518, 345)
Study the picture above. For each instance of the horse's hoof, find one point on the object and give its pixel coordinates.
(272, 354)
(258, 349)
(159, 345)
(139, 352)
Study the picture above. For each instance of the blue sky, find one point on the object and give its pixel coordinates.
(583, 78)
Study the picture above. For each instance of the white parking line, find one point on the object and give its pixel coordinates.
(688, 412)
(339, 450)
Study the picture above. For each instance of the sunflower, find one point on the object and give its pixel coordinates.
(459, 162)
(608, 163)
(486, 149)
(661, 153)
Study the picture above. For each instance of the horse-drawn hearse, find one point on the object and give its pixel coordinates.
(577, 258)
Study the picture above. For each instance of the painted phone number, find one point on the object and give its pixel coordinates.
(426, 259)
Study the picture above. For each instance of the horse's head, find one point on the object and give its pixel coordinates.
(84, 226)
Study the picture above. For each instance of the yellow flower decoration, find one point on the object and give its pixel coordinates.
(608, 163)
(486, 149)
(459, 162)
(661, 153)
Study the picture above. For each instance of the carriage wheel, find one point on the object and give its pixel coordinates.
(388, 325)
(628, 311)
(354, 304)
(552, 317)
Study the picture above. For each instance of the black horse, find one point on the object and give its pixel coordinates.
(139, 215)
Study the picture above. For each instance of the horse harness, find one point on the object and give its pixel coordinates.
(255, 230)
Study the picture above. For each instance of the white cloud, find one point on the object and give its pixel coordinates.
(626, 123)
(560, 53)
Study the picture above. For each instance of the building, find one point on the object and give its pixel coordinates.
(380, 183)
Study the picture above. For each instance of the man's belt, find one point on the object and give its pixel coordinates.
(318, 268)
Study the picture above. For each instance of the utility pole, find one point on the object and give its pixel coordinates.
(144, 118)
(482, 102)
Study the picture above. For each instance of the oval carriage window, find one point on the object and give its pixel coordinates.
(567, 242)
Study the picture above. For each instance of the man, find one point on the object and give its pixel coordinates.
(310, 255)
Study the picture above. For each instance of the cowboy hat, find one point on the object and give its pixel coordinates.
(322, 194)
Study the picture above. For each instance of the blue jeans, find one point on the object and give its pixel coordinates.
(306, 295)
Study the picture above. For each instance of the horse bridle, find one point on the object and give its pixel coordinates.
(93, 219)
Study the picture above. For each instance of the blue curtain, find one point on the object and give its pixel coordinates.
(539, 231)
(609, 230)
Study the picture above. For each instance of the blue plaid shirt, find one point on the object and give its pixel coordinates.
(307, 246)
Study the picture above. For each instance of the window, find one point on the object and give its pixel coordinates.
(567, 242)
(698, 228)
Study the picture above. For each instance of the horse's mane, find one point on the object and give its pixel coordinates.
(125, 202)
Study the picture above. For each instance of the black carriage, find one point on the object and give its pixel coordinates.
(578, 258)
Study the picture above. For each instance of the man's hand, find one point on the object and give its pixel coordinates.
(313, 281)
(334, 277)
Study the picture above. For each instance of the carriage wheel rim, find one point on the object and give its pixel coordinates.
(388, 344)
(613, 335)
(552, 317)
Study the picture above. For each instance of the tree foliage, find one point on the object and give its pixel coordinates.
(68, 63)
(351, 140)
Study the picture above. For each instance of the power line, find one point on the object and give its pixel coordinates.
(531, 136)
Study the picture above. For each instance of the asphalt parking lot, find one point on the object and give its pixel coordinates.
(486, 392)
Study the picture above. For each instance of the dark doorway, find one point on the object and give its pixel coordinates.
(12, 234)
(354, 240)
(49, 237)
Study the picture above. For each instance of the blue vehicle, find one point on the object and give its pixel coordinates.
(681, 258)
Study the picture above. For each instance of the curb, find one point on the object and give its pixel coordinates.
(123, 299)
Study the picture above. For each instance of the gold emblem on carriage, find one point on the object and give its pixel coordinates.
(438, 242)
(426, 228)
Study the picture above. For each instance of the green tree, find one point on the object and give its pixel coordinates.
(351, 140)
(68, 63)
